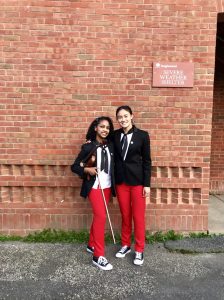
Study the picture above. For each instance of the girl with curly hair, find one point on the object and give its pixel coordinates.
(94, 164)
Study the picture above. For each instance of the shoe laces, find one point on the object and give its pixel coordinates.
(102, 260)
(138, 255)
(123, 249)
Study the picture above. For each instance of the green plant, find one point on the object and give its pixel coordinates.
(54, 236)
(200, 235)
(6, 238)
(61, 236)
(160, 236)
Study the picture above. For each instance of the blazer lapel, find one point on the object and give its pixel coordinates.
(118, 140)
(111, 150)
(132, 142)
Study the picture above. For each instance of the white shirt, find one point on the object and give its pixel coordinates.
(105, 179)
(129, 137)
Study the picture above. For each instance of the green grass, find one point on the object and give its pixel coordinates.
(62, 236)
(57, 236)
(7, 238)
(200, 235)
(163, 236)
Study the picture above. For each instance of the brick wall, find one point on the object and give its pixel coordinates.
(65, 62)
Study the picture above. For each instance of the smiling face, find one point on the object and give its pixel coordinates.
(102, 130)
(124, 118)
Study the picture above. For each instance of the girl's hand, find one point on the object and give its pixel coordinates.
(146, 191)
(90, 170)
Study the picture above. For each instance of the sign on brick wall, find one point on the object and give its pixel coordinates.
(173, 74)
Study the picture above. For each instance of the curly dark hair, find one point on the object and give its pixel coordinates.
(91, 133)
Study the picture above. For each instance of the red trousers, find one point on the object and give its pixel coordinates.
(97, 230)
(132, 206)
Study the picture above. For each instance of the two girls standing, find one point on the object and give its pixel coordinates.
(132, 165)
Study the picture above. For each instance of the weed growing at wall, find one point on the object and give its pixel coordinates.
(61, 236)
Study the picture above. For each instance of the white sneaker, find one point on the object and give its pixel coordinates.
(138, 261)
(123, 251)
(102, 263)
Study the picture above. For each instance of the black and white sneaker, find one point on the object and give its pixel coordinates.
(138, 261)
(90, 249)
(102, 263)
(123, 251)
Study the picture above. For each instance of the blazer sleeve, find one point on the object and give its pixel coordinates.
(146, 160)
(75, 167)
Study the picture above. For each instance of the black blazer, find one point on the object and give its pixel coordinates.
(136, 169)
(79, 169)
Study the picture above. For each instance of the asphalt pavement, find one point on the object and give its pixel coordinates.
(185, 269)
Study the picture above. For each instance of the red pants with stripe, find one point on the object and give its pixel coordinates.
(132, 206)
(97, 230)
